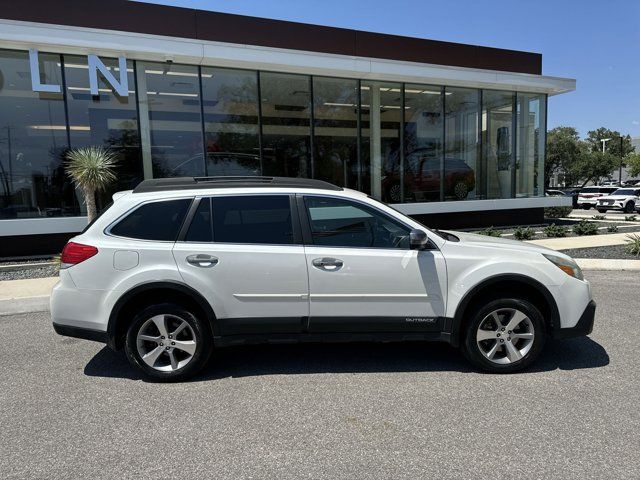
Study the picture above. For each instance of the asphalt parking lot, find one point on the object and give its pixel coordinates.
(73, 409)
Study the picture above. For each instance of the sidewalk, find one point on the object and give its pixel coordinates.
(23, 296)
(586, 241)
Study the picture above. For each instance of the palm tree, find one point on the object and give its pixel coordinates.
(91, 169)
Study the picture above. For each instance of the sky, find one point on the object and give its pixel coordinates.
(595, 42)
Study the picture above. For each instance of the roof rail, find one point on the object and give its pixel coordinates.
(191, 183)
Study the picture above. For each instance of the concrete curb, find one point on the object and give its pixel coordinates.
(607, 264)
(13, 306)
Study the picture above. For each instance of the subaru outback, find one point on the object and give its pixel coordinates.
(180, 266)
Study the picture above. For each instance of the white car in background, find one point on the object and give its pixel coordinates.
(624, 199)
(588, 196)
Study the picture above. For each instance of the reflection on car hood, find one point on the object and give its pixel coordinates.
(473, 239)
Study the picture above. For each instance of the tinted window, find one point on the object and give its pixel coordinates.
(340, 223)
(590, 190)
(200, 228)
(154, 221)
(258, 219)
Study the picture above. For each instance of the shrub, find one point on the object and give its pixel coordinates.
(554, 231)
(599, 217)
(633, 244)
(490, 232)
(557, 212)
(585, 227)
(630, 218)
(524, 233)
(612, 229)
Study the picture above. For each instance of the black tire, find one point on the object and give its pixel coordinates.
(586, 206)
(630, 207)
(461, 190)
(602, 210)
(472, 350)
(199, 330)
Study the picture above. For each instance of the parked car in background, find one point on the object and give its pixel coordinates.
(573, 193)
(625, 199)
(632, 182)
(588, 196)
(422, 177)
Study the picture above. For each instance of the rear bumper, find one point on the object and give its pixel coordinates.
(583, 327)
(80, 332)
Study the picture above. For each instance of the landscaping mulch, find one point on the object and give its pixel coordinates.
(28, 271)
(613, 252)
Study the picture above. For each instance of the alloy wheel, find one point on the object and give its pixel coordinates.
(166, 343)
(461, 190)
(505, 336)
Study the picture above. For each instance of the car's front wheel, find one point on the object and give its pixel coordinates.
(630, 207)
(168, 343)
(602, 210)
(504, 336)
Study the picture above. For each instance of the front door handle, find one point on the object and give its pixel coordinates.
(328, 264)
(202, 260)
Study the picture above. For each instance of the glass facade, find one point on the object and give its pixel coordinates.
(401, 143)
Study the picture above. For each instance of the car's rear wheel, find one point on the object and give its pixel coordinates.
(461, 190)
(168, 343)
(630, 207)
(504, 336)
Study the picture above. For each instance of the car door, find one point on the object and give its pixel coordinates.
(363, 276)
(244, 253)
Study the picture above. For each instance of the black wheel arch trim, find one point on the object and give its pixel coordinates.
(509, 277)
(111, 337)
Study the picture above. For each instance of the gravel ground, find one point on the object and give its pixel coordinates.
(74, 409)
(613, 251)
(40, 272)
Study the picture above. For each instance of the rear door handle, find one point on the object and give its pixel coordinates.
(202, 260)
(328, 264)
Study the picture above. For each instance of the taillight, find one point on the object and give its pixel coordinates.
(74, 253)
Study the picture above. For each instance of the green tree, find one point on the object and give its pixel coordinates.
(591, 166)
(633, 163)
(92, 170)
(613, 145)
(564, 150)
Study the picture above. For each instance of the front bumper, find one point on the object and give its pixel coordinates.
(583, 327)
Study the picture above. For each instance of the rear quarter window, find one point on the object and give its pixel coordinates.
(159, 220)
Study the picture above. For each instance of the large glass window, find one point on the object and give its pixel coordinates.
(530, 145)
(33, 140)
(423, 144)
(286, 124)
(341, 223)
(252, 219)
(497, 136)
(230, 104)
(106, 119)
(335, 103)
(170, 103)
(462, 143)
(381, 122)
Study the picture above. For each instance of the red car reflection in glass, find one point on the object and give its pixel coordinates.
(422, 178)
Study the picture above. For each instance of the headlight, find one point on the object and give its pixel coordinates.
(567, 266)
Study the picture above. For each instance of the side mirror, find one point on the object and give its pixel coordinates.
(417, 239)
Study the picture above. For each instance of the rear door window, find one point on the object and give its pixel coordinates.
(159, 220)
(263, 219)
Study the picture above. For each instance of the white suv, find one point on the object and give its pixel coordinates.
(179, 266)
(625, 199)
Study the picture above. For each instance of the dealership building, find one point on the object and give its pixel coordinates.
(451, 134)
